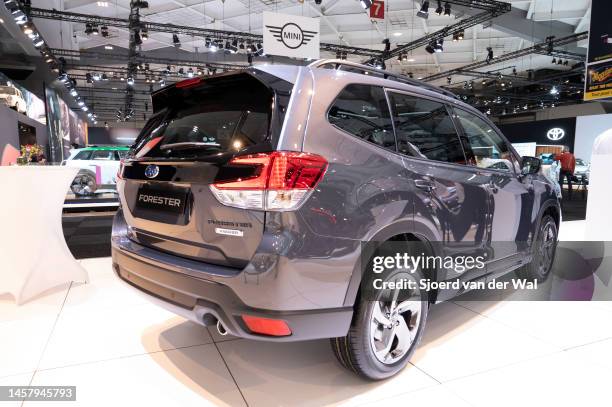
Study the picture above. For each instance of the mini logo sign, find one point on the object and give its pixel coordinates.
(555, 134)
(151, 171)
(290, 36)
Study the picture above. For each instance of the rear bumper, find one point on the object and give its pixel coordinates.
(193, 298)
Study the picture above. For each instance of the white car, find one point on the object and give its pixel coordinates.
(582, 169)
(99, 166)
(13, 98)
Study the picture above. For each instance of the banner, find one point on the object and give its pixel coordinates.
(598, 83)
(290, 36)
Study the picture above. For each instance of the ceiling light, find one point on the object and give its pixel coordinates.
(73, 92)
(145, 34)
(397, 34)
(80, 103)
(366, 4)
(109, 47)
(424, 11)
(439, 9)
(84, 108)
(102, 4)
(27, 30)
(39, 42)
(554, 90)
(447, 9)
(130, 81)
(176, 41)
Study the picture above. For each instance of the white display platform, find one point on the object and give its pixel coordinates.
(33, 252)
(598, 219)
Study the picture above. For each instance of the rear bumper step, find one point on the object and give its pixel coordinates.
(196, 299)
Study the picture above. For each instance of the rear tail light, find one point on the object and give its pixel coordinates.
(266, 326)
(282, 181)
(120, 170)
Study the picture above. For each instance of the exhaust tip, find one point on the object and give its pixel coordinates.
(221, 329)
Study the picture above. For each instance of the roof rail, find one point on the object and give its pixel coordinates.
(339, 63)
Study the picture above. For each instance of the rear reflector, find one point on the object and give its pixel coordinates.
(282, 181)
(266, 326)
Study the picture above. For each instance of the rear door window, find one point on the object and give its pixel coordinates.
(425, 129)
(362, 111)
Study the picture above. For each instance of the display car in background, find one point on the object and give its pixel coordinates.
(247, 198)
(582, 169)
(98, 167)
(13, 98)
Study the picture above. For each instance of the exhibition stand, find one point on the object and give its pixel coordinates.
(34, 253)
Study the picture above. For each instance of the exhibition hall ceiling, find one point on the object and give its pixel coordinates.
(346, 22)
(98, 60)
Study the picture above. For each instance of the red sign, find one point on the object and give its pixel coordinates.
(377, 10)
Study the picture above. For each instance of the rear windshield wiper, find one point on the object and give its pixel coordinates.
(190, 145)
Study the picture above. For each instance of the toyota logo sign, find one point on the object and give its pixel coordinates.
(555, 134)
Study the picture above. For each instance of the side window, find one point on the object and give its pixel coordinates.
(102, 155)
(82, 155)
(362, 110)
(121, 154)
(488, 148)
(425, 129)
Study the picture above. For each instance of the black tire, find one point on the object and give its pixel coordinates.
(542, 259)
(355, 351)
(84, 183)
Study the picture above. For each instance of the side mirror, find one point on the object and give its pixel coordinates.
(530, 165)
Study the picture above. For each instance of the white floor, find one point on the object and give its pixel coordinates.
(120, 350)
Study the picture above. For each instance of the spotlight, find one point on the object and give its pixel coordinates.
(27, 30)
(80, 103)
(176, 41)
(490, 55)
(39, 42)
(104, 77)
(73, 92)
(554, 90)
(439, 45)
(137, 39)
(514, 71)
(259, 49)
(104, 31)
(213, 46)
(96, 76)
(207, 42)
(108, 47)
(88, 28)
(318, 2)
(234, 47)
(447, 9)
(449, 80)
(190, 73)
(559, 62)
(458, 36)
(144, 34)
(439, 9)
(429, 48)
(130, 81)
(366, 4)
(94, 30)
(88, 78)
(387, 44)
(424, 11)
(140, 4)
(564, 63)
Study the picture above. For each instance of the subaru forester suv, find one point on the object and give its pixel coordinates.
(248, 196)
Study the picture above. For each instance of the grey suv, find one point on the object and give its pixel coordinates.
(247, 198)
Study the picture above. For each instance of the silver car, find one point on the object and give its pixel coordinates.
(255, 200)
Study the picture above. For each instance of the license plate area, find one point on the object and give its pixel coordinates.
(163, 204)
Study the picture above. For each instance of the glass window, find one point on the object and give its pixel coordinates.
(106, 155)
(225, 115)
(82, 155)
(425, 129)
(121, 154)
(489, 150)
(362, 110)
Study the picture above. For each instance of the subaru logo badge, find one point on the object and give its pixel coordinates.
(151, 171)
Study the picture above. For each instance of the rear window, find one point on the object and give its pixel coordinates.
(219, 117)
(83, 155)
